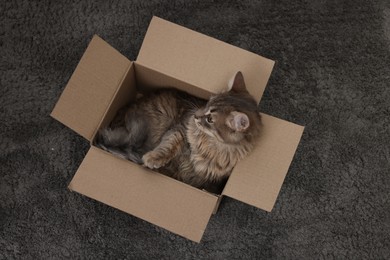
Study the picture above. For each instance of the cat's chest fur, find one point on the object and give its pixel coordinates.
(211, 159)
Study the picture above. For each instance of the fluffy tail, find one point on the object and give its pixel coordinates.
(119, 142)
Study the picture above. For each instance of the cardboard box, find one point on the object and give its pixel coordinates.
(170, 55)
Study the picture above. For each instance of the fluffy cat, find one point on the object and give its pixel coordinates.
(192, 140)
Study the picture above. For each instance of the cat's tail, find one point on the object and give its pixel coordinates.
(119, 142)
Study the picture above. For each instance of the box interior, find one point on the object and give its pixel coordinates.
(140, 79)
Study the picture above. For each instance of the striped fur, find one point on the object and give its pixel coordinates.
(187, 138)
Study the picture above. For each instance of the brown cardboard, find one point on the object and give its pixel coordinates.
(126, 92)
(105, 80)
(153, 197)
(200, 60)
(257, 179)
(88, 94)
(147, 77)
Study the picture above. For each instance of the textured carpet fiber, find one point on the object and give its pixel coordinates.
(332, 75)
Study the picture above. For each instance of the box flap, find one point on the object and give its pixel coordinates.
(156, 198)
(200, 60)
(257, 179)
(91, 88)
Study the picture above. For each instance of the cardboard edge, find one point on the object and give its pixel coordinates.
(302, 129)
(199, 91)
(131, 66)
(211, 196)
(157, 18)
(53, 115)
(267, 69)
(269, 207)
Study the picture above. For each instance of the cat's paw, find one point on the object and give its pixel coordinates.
(154, 160)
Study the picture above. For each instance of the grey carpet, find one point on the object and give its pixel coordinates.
(332, 75)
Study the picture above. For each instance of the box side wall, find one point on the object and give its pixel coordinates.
(145, 194)
(258, 178)
(148, 78)
(89, 92)
(140, 80)
(125, 94)
(217, 204)
(200, 60)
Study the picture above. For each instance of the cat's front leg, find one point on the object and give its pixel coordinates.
(171, 144)
(155, 159)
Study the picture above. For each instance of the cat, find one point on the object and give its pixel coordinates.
(192, 140)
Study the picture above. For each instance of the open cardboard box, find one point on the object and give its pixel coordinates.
(170, 55)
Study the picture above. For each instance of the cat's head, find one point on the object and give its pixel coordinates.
(231, 116)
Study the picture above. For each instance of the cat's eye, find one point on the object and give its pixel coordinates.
(209, 119)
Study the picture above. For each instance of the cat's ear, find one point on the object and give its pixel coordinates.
(237, 121)
(237, 83)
